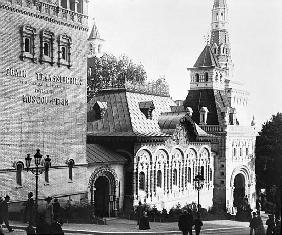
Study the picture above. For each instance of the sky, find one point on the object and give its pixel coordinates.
(167, 36)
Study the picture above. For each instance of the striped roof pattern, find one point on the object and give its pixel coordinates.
(98, 154)
(216, 102)
(123, 116)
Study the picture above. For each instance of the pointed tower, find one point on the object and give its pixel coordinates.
(219, 35)
(95, 43)
(219, 106)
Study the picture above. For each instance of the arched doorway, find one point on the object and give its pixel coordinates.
(103, 185)
(101, 197)
(239, 190)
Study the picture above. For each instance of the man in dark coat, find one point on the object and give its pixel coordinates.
(57, 211)
(185, 222)
(4, 213)
(139, 212)
(144, 222)
(29, 207)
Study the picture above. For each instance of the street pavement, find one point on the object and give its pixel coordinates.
(119, 226)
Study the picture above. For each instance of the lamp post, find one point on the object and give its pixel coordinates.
(199, 182)
(39, 168)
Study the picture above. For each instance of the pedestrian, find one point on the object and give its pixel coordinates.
(144, 221)
(198, 223)
(30, 230)
(254, 223)
(4, 211)
(57, 210)
(270, 225)
(29, 208)
(139, 212)
(42, 227)
(56, 228)
(260, 230)
(185, 222)
(1, 219)
(68, 210)
(49, 215)
(277, 229)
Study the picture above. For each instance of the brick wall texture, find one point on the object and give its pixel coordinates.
(56, 129)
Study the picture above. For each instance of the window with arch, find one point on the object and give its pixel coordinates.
(206, 76)
(214, 50)
(247, 151)
(142, 180)
(189, 175)
(197, 77)
(174, 177)
(241, 152)
(234, 152)
(216, 18)
(71, 165)
(28, 46)
(19, 168)
(46, 47)
(159, 178)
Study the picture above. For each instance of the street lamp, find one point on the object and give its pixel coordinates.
(199, 182)
(37, 170)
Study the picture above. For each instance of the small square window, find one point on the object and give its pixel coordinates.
(222, 182)
(222, 173)
(222, 166)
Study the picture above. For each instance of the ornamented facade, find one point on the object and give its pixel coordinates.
(43, 96)
(160, 146)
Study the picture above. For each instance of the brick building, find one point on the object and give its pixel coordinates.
(43, 96)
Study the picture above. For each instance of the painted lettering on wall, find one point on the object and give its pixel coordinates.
(58, 79)
(44, 100)
(16, 72)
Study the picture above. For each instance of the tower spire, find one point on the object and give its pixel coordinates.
(95, 42)
(219, 34)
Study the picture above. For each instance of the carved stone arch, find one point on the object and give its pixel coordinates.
(106, 171)
(161, 156)
(143, 158)
(192, 154)
(204, 152)
(108, 174)
(144, 151)
(161, 148)
(243, 170)
(176, 156)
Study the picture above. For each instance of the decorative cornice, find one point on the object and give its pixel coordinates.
(43, 17)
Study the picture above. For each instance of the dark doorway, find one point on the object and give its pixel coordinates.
(239, 191)
(101, 197)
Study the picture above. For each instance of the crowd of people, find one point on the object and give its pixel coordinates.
(257, 227)
(186, 221)
(49, 221)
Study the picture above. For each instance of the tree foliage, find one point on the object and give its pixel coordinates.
(269, 153)
(109, 70)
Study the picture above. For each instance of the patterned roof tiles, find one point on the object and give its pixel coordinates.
(206, 59)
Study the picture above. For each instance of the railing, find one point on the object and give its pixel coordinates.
(52, 10)
(212, 128)
(150, 88)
